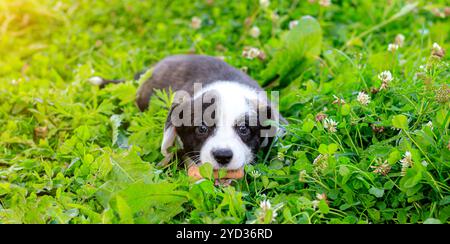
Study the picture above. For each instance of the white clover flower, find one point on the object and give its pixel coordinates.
(315, 204)
(399, 40)
(255, 174)
(325, 3)
(381, 167)
(322, 196)
(436, 46)
(429, 124)
(363, 98)
(424, 163)
(406, 162)
(330, 124)
(319, 197)
(196, 22)
(293, 24)
(255, 32)
(408, 154)
(437, 51)
(265, 205)
(385, 77)
(251, 52)
(392, 47)
(264, 3)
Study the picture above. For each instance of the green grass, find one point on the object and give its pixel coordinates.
(71, 153)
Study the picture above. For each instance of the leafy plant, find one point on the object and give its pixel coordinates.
(364, 85)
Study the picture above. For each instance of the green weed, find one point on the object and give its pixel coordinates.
(361, 146)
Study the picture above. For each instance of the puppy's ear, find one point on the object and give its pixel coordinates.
(169, 138)
(170, 135)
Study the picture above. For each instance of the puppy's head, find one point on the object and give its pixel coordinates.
(224, 124)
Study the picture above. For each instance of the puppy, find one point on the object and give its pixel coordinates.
(219, 114)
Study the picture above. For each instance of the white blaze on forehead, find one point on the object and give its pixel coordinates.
(232, 104)
(233, 100)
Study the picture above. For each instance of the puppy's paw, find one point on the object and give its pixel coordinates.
(194, 173)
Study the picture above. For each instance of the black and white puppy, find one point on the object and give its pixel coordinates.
(219, 113)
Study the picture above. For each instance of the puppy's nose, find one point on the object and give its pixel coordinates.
(222, 156)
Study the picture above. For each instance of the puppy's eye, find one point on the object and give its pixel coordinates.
(243, 130)
(201, 130)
